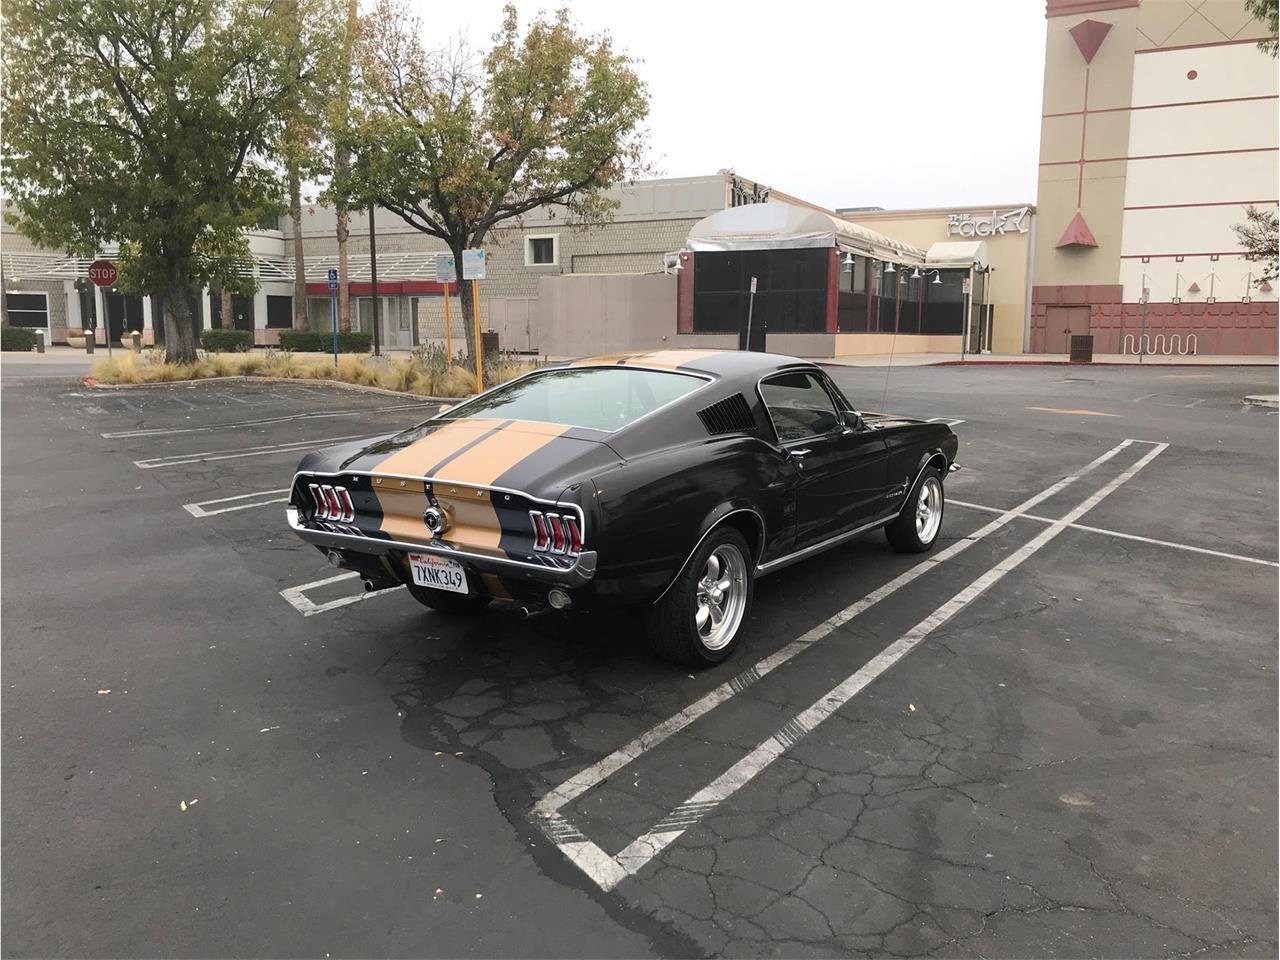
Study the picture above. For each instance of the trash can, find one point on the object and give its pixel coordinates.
(1081, 349)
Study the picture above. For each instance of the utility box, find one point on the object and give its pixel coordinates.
(1081, 349)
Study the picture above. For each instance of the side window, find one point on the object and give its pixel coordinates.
(799, 406)
(841, 400)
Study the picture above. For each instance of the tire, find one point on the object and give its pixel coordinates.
(678, 628)
(916, 528)
(452, 604)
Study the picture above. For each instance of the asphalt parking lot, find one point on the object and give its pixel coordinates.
(1053, 736)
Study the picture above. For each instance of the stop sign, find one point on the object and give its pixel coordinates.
(103, 272)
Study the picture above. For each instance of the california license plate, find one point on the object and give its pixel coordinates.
(437, 572)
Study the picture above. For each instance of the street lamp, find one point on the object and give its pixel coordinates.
(937, 275)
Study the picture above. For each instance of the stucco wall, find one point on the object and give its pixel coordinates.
(1160, 143)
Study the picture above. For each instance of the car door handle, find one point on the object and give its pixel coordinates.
(800, 453)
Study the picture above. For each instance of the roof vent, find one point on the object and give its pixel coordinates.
(730, 415)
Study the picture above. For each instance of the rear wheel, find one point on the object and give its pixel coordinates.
(698, 622)
(455, 604)
(916, 528)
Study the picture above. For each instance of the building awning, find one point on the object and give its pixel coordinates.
(959, 253)
(784, 226)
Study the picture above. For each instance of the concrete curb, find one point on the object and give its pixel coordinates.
(1271, 400)
(96, 385)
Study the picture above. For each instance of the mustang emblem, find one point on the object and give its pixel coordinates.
(436, 520)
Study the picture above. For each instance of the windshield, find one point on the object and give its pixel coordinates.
(601, 398)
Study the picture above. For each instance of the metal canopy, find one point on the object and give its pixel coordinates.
(784, 226)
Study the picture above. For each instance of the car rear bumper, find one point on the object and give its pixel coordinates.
(569, 572)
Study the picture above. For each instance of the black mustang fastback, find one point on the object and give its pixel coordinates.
(664, 481)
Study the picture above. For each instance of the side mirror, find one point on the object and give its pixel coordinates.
(852, 420)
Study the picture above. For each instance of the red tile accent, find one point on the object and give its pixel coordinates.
(1159, 156)
(1077, 234)
(1163, 106)
(1067, 8)
(1197, 46)
(1088, 35)
(684, 294)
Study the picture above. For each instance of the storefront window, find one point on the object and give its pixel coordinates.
(791, 290)
(889, 285)
(909, 308)
(852, 317)
(943, 309)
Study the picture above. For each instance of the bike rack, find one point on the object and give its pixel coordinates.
(1159, 346)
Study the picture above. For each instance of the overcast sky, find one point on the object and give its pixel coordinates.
(892, 103)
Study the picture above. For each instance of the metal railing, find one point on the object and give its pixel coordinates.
(1159, 345)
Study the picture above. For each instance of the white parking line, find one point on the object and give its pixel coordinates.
(297, 596)
(609, 871)
(586, 853)
(1123, 536)
(178, 459)
(164, 431)
(197, 509)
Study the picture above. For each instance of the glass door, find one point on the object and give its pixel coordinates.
(389, 332)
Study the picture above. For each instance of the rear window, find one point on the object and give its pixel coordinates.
(600, 398)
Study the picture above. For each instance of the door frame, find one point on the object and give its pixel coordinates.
(1066, 347)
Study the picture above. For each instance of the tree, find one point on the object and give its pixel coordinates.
(548, 119)
(342, 166)
(1268, 13)
(1260, 236)
(318, 55)
(147, 123)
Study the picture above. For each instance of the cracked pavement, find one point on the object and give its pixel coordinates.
(1082, 762)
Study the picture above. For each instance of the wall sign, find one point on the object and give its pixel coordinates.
(997, 224)
(743, 192)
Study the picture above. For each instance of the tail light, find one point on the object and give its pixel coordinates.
(553, 533)
(331, 503)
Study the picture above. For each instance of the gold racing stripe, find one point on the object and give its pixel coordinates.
(607, 359)
(668, 359)
(419, 457)
(492, 457)
(457, 485)
(402, 503)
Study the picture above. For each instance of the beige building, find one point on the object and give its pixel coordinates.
(1007, 229)
(1159, 128)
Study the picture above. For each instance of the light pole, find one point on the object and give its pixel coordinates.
(1142, 339)
(373, 281)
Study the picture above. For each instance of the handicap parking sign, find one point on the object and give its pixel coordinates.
(333, 278)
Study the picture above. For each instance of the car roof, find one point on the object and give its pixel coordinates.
(718, 363)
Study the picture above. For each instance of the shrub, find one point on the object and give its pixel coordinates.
(226, 341)
(317, 341)
(17, 338)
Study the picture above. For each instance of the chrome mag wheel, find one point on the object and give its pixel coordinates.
(721, 596)
(928, 509)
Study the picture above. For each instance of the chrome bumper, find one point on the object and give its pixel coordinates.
(577, 572)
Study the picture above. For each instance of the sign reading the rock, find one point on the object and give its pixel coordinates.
(103, 273)
(997, 224)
